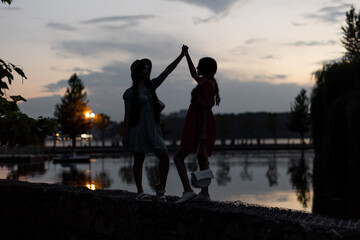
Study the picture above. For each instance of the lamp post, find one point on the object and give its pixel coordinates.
(90, 116)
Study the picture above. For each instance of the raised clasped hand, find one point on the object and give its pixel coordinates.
(184, 48)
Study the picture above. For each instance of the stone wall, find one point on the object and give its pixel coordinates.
(44, 211)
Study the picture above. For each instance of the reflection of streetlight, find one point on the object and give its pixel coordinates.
(91, 186)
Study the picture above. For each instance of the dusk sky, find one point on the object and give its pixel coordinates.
(266, 50)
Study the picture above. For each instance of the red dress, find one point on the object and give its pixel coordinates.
(204, 98)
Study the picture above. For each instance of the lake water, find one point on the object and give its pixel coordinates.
(274, 179)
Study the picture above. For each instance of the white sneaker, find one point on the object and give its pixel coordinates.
(186, 197)
(201, 198)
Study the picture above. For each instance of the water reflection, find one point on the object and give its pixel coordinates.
(74, 177)
(272, 173)
(126, 174)
(102, 179)
(22, 170)
(276, 179)
(245, 175)
(153, 175)
(70, 175)
(223, 173)
(301, 178)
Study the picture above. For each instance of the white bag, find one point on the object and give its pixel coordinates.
(201, 179)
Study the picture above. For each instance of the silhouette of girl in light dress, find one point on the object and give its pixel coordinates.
(142, 132)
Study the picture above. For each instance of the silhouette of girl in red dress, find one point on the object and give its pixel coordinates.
(199, 130)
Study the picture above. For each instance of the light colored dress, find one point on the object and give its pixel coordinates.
(146, 135)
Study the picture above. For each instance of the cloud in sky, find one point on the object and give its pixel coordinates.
(268, 78)
(159, 47)
(125, 21)
(42, 106)
(130, 18)
(212, 18)
(313, 43)
(135, 43)
(255, 40)
(10, 8)
(329, 14)
(60, 26)
(219, 8)
(53, 87)
(216, 6)
(88, 48)
(94, 48)
(268, 57)
(116, 74)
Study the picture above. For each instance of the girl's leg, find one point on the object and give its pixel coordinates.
(204, 164)
(163, 168)
(137, 170)
(179, 158)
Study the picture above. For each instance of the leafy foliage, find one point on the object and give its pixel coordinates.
(299, 120)
(70, 113)
(16, 127)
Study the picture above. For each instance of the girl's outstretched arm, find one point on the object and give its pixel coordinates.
(161, 78)
(190, 64)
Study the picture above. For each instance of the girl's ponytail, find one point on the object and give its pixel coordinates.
(217, 95)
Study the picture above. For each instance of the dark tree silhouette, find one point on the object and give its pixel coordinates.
(222, 123)
(6, 1)
(270, 124)
(335, 116)
(299, 120)
(351, 38)
(246, 127)
(70, 114)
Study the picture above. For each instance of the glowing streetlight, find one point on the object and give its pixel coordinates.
(90, 115)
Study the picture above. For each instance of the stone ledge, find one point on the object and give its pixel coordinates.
(50, 211)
